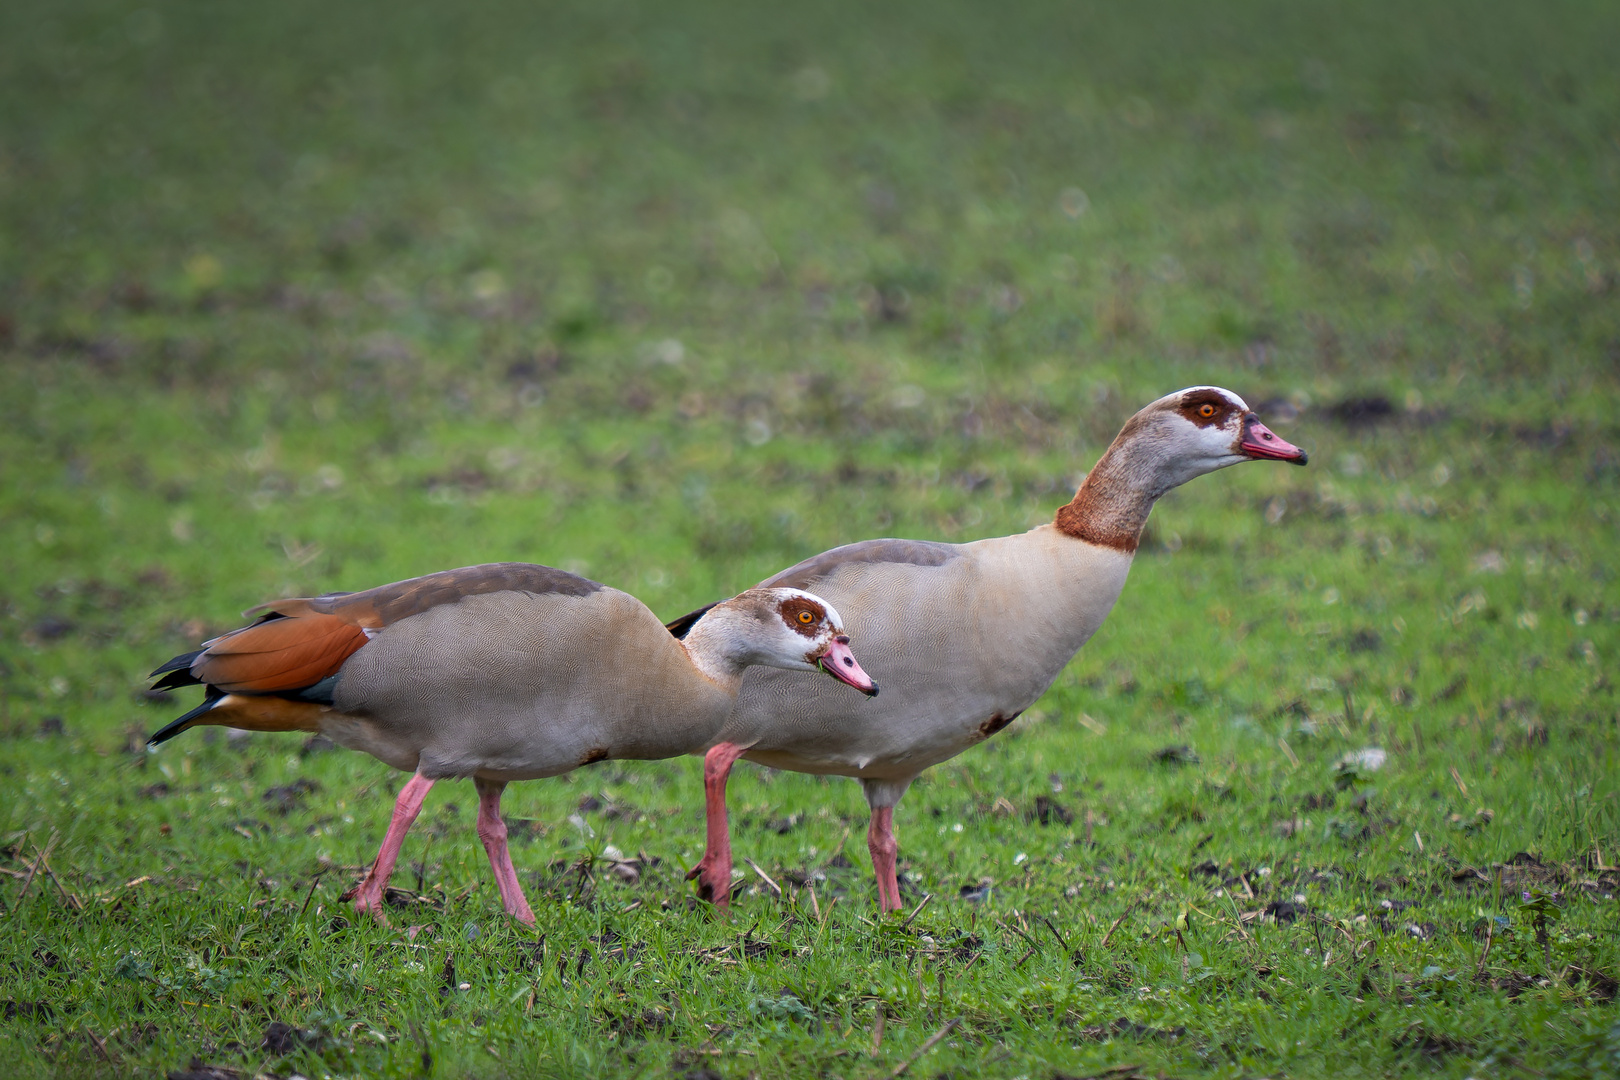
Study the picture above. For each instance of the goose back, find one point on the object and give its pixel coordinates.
(513, 685)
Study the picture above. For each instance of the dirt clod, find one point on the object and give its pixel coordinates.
(1176, 755)
(280, 1038)
(1125, 1027)
(198, 1070)
(289, 797)
(1431, 1044)
(1362, 411)
(1599, 986)
(1284, 911)
(1049, 811)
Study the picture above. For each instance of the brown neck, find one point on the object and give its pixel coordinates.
(1112, 504)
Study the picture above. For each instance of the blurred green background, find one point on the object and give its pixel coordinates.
(683, 294)
(299, 297)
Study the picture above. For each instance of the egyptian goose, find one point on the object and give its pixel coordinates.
(966, 636)
(501, 672)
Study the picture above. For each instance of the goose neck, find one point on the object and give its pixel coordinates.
(714, 649)
(1116, 497)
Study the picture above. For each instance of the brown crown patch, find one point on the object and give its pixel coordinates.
(1206, 408)
(793, 611)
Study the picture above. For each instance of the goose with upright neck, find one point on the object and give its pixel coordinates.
(500, 672)
(964, 637)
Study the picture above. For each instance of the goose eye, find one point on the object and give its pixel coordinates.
(1206, 410)
(806, 618)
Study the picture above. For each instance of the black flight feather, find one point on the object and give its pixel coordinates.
(175, 727)
(177, 672)
(682, 626)
(182, 662)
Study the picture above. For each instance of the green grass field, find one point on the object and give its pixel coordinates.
(301, 297)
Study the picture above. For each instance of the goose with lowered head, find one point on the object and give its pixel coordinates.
(964, 637)
(501, 672)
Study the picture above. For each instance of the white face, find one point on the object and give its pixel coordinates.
(796, 628)
(1204, 428)
(802, 632)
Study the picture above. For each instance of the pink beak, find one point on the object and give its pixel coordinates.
(841, 664)
(1260, 442)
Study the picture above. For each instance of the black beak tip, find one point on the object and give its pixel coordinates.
(872, 692)
(1302, 459)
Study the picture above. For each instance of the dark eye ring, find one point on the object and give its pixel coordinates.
(806, 618)
(1206, 410)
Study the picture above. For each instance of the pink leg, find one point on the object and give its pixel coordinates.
(881, 843)
(713, 871)
(406, 807)
(492, 831)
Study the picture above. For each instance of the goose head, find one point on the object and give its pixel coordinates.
(1182, 435)
(781, 628)
(1199, 430)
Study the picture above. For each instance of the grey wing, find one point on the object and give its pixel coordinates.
(819, 567)
(393, 603)
(907, 552)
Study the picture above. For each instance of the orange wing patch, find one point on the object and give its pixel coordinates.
(280, 654)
